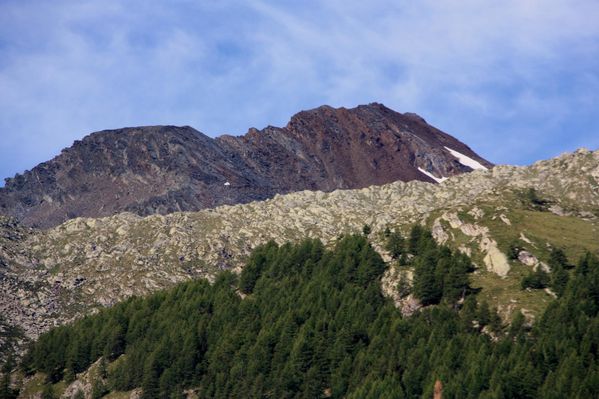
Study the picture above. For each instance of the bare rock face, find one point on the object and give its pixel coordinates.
(494, 259)
(527, 258)
(165, 169)
(438, 394)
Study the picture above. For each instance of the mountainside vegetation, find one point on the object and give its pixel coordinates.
(304, 321)
(52, 277)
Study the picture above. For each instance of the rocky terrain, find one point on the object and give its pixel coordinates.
(50, 277)
(165, 169)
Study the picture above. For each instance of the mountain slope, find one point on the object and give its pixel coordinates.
(164, 169)
(50, 277)
(303, 321)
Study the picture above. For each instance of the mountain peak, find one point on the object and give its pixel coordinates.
(163, 169)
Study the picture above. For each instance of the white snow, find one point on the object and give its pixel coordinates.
(437, 179)
(465, 160)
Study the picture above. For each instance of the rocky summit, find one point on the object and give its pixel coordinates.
(165, 169)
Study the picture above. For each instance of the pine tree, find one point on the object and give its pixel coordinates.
(317, 325)
(557, 258)
(518, 324)
(559, 280)
(395, 244)
(48, 392)
(99, 388)
(514, 250)
(455, 284)
(426, 285)
(69, 375)
(102, 368)
(484, 314)
(414, 241)
(150, 382)
(495, 323)
(469, 312)
(6, 392)
(538, 279)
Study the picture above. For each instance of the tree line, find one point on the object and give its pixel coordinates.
(302, 321)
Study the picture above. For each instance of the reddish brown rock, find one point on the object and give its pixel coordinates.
(438, 390)
(163, 169)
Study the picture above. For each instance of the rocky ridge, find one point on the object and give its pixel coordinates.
(50, 277)
(164, 169)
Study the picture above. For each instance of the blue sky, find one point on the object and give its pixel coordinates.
(517, 80)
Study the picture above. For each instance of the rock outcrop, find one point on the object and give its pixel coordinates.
(165, 169)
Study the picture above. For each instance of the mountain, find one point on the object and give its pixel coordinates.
(306, 321)
(165, 169)
(49, 277)
(491, 292)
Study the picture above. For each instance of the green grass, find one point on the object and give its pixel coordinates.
(575, 236)
(33, 386)
(506, 291)
(118, 395)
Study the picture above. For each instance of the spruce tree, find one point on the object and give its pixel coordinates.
(426, 286)
(414, 240)
(559, 280)
(484, 314)
(395, 244)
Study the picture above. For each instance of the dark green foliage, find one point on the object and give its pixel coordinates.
(439, 273)
(536, 280)
(518, 325)
(99, 389)
(415, 235)
(559, 275)
(315, 321)
(514, 250)
(532, 199)
(255, 265)
(366, 230)
(559, 280)
(395, 244)
(557, 258)
(6, 391)
(495, 325)
(48, 392)
(484, 314)
(427, 287)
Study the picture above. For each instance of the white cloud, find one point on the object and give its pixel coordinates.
(477, 69)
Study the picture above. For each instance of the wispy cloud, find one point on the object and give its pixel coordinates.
(517, 80)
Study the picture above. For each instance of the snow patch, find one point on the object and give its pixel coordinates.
(437, 179)
(465, 160)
